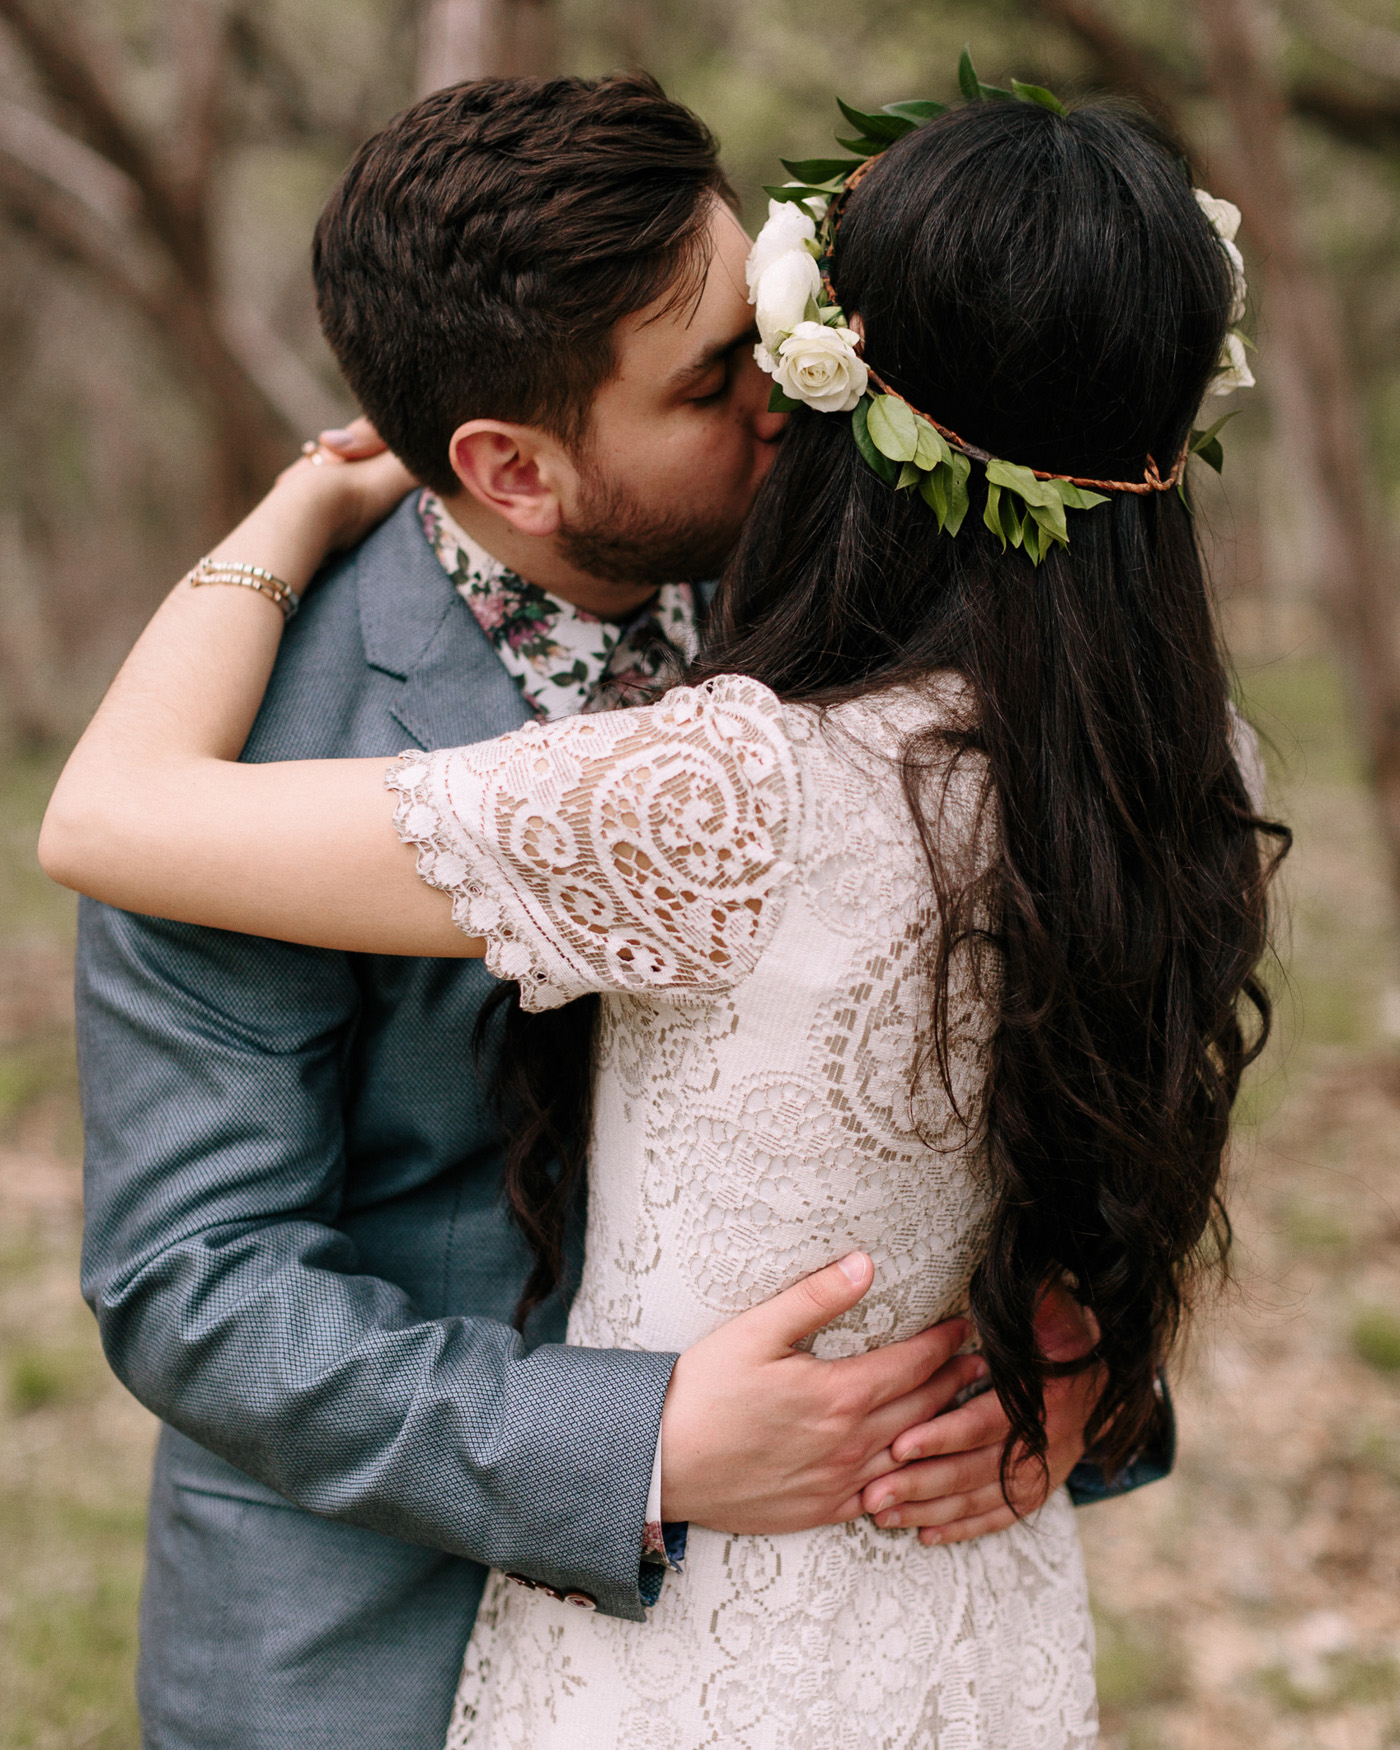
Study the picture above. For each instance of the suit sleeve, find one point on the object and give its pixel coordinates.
(229, 1303)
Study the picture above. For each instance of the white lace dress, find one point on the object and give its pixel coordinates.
(742, 882)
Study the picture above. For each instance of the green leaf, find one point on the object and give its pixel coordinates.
(833, 316)
(909, 475)
(882, 466)
(958, 468)
(801, 192)
(1077, 497)
(972, 87)
(778, 402)
(1022, 482)
(933, 489)
(819, 170)
(888, 128)
(863, 148)
(917, 110)
(931, 448)
(892, 428)
(1031, 539)
(1050, 518)
(1206, 444)
(1212, 454)
(991, 515)
(1038, 94)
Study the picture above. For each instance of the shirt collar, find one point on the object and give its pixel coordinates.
(563, 659)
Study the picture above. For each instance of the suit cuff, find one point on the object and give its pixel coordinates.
(663, 1546)
(1088, 1482)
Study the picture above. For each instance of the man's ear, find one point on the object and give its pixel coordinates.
(517, 471)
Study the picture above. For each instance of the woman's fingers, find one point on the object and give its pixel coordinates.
(939, 1490)
(978, 1422)
(966, 1529)
(354, 442)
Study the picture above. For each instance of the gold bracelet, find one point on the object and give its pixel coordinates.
(248, 577)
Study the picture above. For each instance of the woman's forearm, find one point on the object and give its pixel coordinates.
(154, 813)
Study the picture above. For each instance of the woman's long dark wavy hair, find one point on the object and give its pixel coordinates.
(1046, 286)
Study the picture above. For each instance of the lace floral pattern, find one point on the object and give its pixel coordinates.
(634, 850)
(742, 881)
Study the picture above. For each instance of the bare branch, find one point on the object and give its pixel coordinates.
(1359, 121)
(31, 140)
(287, 383)
(1370, 48)
(65, 223)
(198, 34)
(1313, 396)
(75, 71)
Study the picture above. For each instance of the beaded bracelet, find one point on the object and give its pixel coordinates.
(248, 577)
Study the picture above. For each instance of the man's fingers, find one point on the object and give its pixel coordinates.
(802, 1310)
(966, 1529)
(981, 1421)
(897, 1369)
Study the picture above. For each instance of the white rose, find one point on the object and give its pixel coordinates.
(818, 365)
(1224, 215)
(783, 293)
(1239, 290)
(1233, 371)
(789, 227)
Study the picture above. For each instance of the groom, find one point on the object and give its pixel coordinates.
(297, 1248)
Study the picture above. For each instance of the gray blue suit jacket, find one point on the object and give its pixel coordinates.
(299, 1258)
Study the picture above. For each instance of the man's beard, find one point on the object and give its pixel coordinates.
(619, 540)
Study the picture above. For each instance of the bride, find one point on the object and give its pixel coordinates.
(922, 918)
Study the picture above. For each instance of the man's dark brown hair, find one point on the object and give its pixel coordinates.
(479, 251)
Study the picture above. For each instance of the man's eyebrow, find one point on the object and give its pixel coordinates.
(711, 356)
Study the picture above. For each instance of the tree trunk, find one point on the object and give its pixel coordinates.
(476, 39)
(1314, 395)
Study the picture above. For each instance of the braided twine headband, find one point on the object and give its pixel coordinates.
(1151, 481)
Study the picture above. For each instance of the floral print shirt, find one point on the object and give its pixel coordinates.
(563, 659)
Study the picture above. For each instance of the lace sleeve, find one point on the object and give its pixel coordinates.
(629, 850)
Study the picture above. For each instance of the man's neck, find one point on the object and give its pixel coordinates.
(539, 561)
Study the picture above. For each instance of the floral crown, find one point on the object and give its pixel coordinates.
(815, 359)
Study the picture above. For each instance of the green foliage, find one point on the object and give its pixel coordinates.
(1375, 1338)
(1038, 94)
(865, 444)
(818, 172)
(1021, 510)
(972, 87)
(1206, 444)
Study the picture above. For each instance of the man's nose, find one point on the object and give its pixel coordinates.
(768, 427)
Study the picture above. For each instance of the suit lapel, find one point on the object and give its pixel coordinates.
(420, 632)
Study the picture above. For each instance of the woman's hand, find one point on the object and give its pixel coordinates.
(349, 482)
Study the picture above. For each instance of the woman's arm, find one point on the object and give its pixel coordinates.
(153, 813)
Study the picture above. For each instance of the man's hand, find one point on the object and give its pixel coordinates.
(757, 1436)
(950, 1481)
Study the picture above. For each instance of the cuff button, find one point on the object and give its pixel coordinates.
(583, 1600)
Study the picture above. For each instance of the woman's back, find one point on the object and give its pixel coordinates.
(748, 872)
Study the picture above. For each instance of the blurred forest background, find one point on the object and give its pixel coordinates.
(161, 165)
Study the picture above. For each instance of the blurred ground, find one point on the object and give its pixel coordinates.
(1253, 1600)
